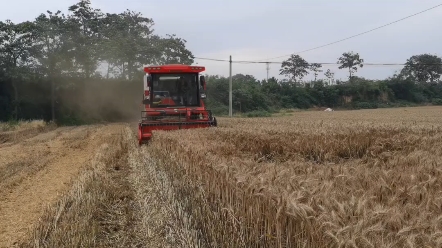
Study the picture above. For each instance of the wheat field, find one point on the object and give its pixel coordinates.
(369, 178)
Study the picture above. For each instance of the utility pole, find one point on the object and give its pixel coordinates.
(230, 87)
(268, 69)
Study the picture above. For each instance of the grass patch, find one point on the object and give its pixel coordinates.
(258, 113)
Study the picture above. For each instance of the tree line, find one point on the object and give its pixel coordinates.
(84, 66)
(421, 68)
(417, 83)
(62, 66)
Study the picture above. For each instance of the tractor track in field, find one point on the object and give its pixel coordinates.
(35, 170)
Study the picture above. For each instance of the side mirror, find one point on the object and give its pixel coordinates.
(203, 82)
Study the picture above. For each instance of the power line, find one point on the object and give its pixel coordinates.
(323, 63)
(267, 62)
(360, 33)
(221, 60)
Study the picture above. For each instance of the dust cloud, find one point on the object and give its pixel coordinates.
(104, 101)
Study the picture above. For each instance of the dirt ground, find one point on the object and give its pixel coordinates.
(35, 170)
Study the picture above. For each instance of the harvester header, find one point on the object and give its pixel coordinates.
(173, 99)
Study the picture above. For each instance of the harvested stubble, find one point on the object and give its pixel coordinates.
(360, 178)
(96, 211)
(161, 221)
(23, 129)
(21, 125)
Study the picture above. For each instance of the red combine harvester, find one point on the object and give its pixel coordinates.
(173, 99)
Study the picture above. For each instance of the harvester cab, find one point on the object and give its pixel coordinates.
(173, 99)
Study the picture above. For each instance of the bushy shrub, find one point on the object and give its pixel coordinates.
(259, 113)
(437, 101)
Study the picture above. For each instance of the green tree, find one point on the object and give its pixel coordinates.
(85, 26)
(351, 61)
(111, 51)
(294, 68)
(129, 43)
(423, 68)
(174, 51)
(16, 41)
(330, 76)
(54, 50)
(315, 68)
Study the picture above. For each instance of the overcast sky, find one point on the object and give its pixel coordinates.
(262, 29)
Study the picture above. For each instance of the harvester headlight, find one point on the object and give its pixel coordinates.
(203, 96)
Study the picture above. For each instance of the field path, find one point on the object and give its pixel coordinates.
(34, 172)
